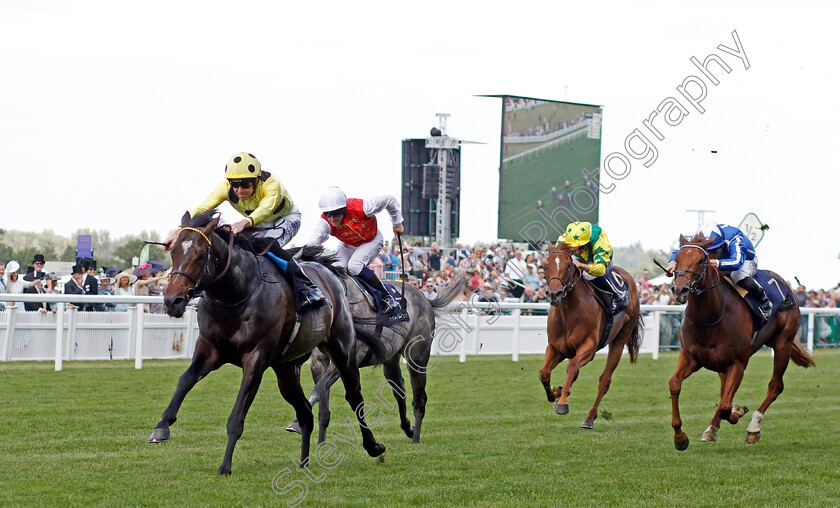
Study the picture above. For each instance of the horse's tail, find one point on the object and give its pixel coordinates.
(448, 293)
(369, 338)
(636, 338)
(800, 355)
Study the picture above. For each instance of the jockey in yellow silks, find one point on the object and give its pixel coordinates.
(266, 206)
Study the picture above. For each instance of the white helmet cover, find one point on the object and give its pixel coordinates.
(331, 198)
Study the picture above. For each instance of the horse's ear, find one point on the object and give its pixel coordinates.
(211, 226)
(185, 219)
(683, 240)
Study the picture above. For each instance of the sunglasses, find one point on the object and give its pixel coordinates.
(38, 263)
(245, 184)
(335, 213)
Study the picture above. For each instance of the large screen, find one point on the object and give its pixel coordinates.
(550, 161)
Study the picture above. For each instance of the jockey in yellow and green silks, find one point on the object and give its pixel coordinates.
(592, 254)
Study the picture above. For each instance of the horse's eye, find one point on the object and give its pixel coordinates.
(202, 255)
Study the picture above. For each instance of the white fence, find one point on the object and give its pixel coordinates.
(470, 329)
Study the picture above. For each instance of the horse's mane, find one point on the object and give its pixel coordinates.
(317, 254)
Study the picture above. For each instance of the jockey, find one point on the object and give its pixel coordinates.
(592, 254)
(735, 256)
(353, 222)
(267, 206)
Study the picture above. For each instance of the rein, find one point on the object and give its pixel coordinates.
(696, 289)
(197, 281)
(567, 286)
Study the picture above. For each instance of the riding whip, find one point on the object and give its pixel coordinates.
(402, 265)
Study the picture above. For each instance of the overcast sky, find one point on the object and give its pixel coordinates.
(121, 116)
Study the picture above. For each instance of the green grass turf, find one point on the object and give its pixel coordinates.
(78, 438)
(529, 178)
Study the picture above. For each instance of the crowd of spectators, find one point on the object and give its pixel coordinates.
(149, 278)
(494, 274)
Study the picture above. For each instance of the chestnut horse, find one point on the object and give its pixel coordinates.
(576, 321)
(717, 334)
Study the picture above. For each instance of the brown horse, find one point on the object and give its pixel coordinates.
(717, 334)
(576, 321)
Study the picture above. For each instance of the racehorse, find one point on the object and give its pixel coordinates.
(409, 339)
(717, 334)
(576, 323)
(247, 317)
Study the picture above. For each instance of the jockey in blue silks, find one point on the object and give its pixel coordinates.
(735, 258)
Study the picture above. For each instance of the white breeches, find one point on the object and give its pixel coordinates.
(283, 229)
(747, 270)
(356, 258)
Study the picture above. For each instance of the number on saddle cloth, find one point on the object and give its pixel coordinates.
(612, 285)
(778, 293)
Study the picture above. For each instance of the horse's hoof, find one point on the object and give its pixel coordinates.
(753, 437)
(710, 436)
(561, 409)
(159, 436)
(409, 432)
(587, 424)
(294, 427)
(224, 471)
(377, 450)
(740, 410)
(681, 445)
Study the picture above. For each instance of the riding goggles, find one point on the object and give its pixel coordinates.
(244, 183)
(335, 213)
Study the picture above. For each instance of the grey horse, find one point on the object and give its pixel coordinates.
(409, 339)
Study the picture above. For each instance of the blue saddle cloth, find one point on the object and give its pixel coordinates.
(777, 291)
(399, 314)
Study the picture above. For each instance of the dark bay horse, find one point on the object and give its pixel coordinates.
(576, 321)
(247, 317)
(717, 334)
(411, 340)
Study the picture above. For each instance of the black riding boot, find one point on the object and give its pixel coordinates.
(307, 294)
(388, 301)
(756, 291)
(611, 300)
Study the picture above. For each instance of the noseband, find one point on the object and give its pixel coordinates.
(694, 285)
(567, 286)
(197, 287)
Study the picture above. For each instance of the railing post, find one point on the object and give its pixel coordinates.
(138, 340)
(71, 332)
(59, 335)
(517, 313)
(189, 343)
(810, 345)
(10, 329)
(656, 319)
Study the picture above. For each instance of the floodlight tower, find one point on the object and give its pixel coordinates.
(443, 144)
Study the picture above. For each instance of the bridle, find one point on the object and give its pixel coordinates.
(204, 272)
(694, 285)
(567, 285)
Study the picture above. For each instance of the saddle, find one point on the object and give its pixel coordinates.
(613, 295)
(778, 293)
(374, 300)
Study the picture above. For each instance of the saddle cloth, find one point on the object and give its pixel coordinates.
(373, 299)
(778, 293)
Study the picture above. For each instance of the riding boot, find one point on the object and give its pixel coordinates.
(388, 301)
(756, 291)
(307, 294)
(611, 301)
